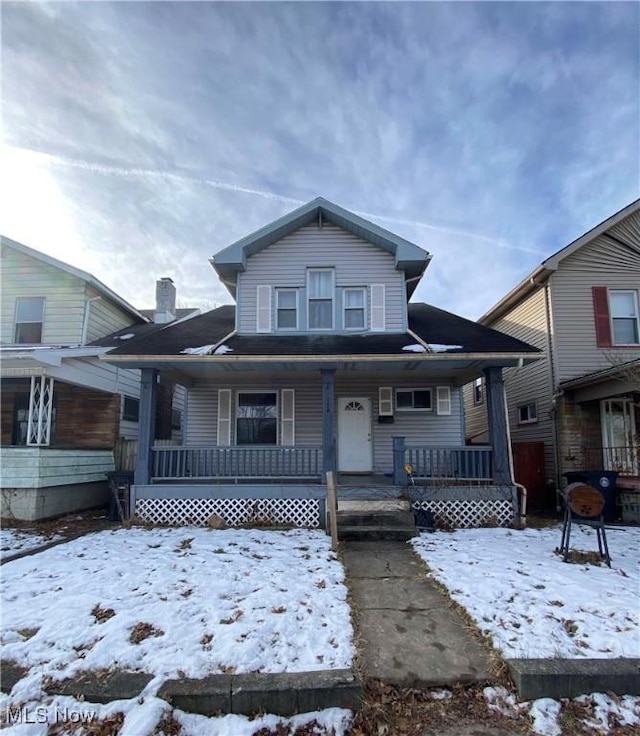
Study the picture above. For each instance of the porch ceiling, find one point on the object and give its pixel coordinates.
(458, 369)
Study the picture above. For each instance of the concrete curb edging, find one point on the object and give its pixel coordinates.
(283, 694)
(569, 678)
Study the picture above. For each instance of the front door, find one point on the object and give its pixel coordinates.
(618, 436)
(354, 436)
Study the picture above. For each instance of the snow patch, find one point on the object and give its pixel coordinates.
(222, 349)
(544, 714)
(202, 350)
(128, 336)
(436, 348)
(415, 348)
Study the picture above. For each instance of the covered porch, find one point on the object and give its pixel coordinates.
(406, 451)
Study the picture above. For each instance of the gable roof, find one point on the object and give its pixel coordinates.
(408, 256)
(73, 271)
(429, 324)
(539, 275)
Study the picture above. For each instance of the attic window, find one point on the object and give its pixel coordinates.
(29, 318)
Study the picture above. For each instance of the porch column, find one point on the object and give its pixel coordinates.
(498, 429)
(146, 425)
(40, 411)
(328, 419)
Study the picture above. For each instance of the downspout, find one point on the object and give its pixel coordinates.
(523, 490)
(85, 321)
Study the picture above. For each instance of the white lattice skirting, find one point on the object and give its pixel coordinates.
(470, 514)
(297, 511)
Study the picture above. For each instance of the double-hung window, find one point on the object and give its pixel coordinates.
(354, 309)
(29, 319)
(413, 399)
(625, 318)
(527, 413)
(320, 297)
(257, 418)
(287, 309)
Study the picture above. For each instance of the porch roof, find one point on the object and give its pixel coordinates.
(441, 342)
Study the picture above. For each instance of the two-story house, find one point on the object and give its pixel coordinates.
(579, 407)
(63, 411)
(322, 364)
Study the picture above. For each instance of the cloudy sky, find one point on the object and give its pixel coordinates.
(141, 138)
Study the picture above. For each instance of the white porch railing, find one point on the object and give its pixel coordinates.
(254, 462)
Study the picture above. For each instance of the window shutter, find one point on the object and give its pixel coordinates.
(385, 401)
(378, 317)
(443, 400)
(224, 416)
(263, 309)
(601, 316)
(288, 417)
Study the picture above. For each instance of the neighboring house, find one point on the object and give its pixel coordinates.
(321, 365)
(63, 410)
(579, 407)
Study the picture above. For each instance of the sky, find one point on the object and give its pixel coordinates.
(141, 138)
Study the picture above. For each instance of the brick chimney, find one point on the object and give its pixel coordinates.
(165, 301)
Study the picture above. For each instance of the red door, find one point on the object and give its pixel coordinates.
(528, 468)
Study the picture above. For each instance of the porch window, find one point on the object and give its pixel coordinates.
(354, 309)
(287, 309)
(29, 318)
(527, 413)
(131, 409)
(320, 287)
(623, 307)
(413, 399)
(257, 418)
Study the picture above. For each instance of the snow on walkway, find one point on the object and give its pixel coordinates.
(179, 602)
(530, 602)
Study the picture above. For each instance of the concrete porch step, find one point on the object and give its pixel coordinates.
(363, 533)
(375, 518)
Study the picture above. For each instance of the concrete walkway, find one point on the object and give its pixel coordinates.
(408, 633)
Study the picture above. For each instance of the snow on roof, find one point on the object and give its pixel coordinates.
(443, 348)
(202, 350)
(415, 348)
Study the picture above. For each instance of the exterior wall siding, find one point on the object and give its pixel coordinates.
(532, 383)
(105, 317)
(419, 428)
(64, 298)
(356, 262)
(600, 263)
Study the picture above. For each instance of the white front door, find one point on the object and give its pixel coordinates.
(354, 435)
(618, 435)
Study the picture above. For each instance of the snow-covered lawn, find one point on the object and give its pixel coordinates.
(530, 602)
(13, 541)
(186, 602)
(181, 602)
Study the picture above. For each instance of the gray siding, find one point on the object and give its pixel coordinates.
(602, 262)
(420, 428)
(532, 383)
(356, 262)
(64, 298)
(105, 317)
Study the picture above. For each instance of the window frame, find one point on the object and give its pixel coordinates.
(530, 419)
(17, 323)
(287, 290)
(238, 393)
(478, 391)
(413, 407)
(612, 318)
(363, 291)
(130, 416)
(332, 299)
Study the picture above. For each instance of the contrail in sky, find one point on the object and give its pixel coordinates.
(131, 173)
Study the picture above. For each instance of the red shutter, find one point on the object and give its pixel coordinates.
(601, 316)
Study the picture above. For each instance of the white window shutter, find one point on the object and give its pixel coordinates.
(224, 416)
(385, 401)
(288, 416)
(443, 400)
(378, 317)
(263, 309)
